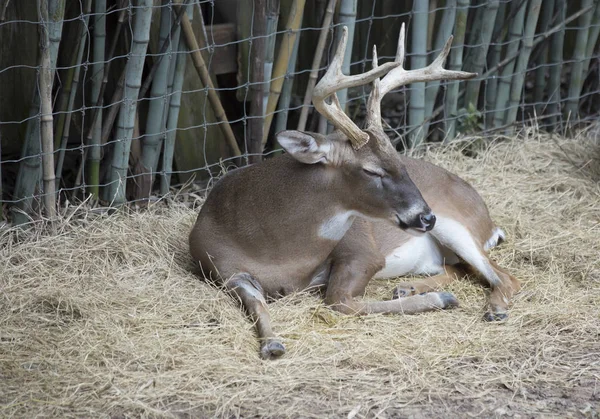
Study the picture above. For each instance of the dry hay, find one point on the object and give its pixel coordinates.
(107, 318)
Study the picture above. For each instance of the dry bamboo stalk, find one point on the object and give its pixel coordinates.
(257, 79)
(284, 54)
(213, 98)
(45, 83)
(314, 72)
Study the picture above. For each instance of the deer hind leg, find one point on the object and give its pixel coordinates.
(451, 273)
(252, 297)
(457, 238)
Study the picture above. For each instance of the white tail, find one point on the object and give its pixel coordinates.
(337, 210)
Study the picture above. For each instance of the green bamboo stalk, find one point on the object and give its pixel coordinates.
(571, 110)
(346, 17)
(94, 151)
(491, 83)
(592, 39)
(514, 37)
(541, 63)
(29, 168)
(556, 59)
(286, 95)
(482, 38)
(516, 88)
(73, 91)
(173, 111)
(416, 108)
(284, 53)
(271, 32)
(125, 125)
(314, 72)
(244, 27)
(444, 31)
(156, 122)
(455, 63)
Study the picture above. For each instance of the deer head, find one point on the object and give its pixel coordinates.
(362, 163)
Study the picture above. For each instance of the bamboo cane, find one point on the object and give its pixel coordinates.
(514, 40)
(46, 76)
(577, 76)
(156, 121)
(213, 98)
(314, 72)
(556, 59)
(443, 33)
(346, 17)
(173, 111)
(516, 88)
(485, 16)
(541, 62)
(491, 84)
(29, 167)
(125, 125)
(284, 54)
(73, 92)
(455, 63)
(257, 78)
(416, 108)
(271, 33)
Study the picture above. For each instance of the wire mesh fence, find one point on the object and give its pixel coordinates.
(143, 96)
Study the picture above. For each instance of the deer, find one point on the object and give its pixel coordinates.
(337, 210)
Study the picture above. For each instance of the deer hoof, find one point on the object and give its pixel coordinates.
(448, 299)
(499, 316)
(404, 289)
(272, 349)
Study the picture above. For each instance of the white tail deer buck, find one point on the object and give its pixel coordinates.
(338, 210)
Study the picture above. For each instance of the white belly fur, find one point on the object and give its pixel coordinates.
(421, 255)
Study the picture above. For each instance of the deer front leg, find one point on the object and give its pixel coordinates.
(251, 295)
(355, 261)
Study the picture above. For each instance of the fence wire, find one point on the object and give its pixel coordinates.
(558, 85)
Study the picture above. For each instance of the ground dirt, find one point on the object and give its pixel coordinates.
(107, 318)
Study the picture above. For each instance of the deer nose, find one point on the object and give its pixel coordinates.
(427, 221)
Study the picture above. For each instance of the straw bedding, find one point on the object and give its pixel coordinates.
(107, 318)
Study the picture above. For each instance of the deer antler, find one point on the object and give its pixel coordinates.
(399, 77)
(334, 80)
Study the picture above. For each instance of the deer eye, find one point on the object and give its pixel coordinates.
(373, 173)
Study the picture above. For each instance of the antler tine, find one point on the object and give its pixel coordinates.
(374, 102)
(335, 80)
(434, 71)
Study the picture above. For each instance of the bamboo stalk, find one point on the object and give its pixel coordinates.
(592, 39)
(271, 33)
(491, 83)
(94, 151)
(29, 167)
(213, 98)
(556, 59)
(173, 111)
(514, 38)
(516, 88)
(156, 121)
(577, 77)
(455, 63)
(46, 76)
(73, 92)
(484, 16)
(346, 17)
(541, 62)
(257, 78)
(416, 108)
(443, 33)
(314, 72)
(283, 61)
(94, 136)
(125, 125)
(286, 95)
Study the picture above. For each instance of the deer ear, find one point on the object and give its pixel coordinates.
(304, 147)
